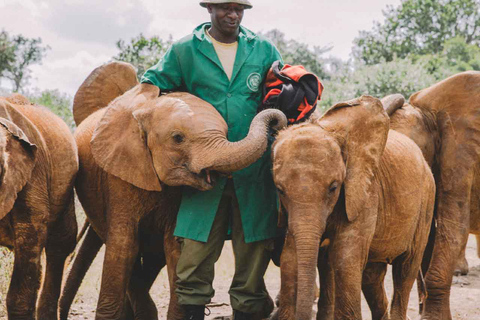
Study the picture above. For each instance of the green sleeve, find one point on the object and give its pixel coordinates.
(166, 74)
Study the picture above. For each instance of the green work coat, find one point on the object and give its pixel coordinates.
(191, 64)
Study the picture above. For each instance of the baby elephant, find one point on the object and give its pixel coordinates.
(38, 164)
(347, 181)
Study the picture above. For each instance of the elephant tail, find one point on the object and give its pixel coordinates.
(84, 258)
(103, 85)
(478, 245)
(82, 232)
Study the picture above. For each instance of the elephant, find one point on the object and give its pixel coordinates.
(135, 152)
(362, 193)
(444, 121)
(461, 266)
(38, 165)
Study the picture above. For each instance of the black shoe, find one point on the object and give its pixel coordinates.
(194, 312)
(239, 315)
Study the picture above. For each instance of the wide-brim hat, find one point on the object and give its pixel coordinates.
(246, 3)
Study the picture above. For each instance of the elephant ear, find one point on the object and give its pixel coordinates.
(103, 85)
(361, 126)
(17, 160)
(119, 146)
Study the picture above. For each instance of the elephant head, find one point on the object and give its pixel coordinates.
(175, 139)
(312, 163)
(17, 156)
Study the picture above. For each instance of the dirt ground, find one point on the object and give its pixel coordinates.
(465, 297)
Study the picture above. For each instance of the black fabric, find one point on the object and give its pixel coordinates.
(291, 95)
(194, 312)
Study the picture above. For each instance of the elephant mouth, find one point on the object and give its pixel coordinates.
(209, 177)
(203, 180)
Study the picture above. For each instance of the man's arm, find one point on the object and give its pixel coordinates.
(166, 74)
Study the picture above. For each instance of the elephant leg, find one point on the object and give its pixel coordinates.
(427, 257)
(82, 262)
(452, 229)
(405, 271)
(30, 239)
(461, 267)
(288, 290)
(120, 254)
(349, 250)
(60, 243)
(143, 276)
(374, 290)
(326, 301)
(172, 254)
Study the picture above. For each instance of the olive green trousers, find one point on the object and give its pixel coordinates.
(195, 268)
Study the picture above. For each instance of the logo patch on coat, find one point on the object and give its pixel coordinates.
(253, 81)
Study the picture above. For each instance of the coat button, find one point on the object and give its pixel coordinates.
(229, 95)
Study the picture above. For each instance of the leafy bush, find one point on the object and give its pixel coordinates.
(60, 104)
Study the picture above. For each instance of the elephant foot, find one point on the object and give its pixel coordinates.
(462, 267)
(274, 315)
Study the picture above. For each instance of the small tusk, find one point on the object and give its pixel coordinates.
(208, 177)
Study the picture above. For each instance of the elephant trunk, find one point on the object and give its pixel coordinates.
(225, 156)
(307, 241)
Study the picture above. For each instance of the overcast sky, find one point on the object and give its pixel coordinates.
(82, 33)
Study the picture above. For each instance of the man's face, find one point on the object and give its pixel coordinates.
(226, 17)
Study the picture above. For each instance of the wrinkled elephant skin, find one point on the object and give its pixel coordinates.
(38, 164)
(363, 193)
(444, 121)
(134, 153)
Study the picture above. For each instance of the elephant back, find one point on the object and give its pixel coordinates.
(456, 95)
(102, 86)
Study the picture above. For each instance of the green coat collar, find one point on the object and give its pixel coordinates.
(245, 47)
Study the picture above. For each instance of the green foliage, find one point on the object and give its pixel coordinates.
(18, 54)
(397, 76)
(59, 103)
(297, 53)
(142, 52)
(418, 27)
(7, 53)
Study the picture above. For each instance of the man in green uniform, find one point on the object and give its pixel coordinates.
(225, 64)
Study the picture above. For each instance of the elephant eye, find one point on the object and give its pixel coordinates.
(333, 186)
(178, 138)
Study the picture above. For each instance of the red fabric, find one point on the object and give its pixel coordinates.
(271, 93)
(295, 73)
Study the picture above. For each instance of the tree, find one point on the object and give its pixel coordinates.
(418, 27)
(7, 54)
(142, 52)
(26, 51)
(297, 53)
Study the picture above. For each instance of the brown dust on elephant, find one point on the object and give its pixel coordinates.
(38, 164)
(444, 121)
(132, 155)
(364, 194)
